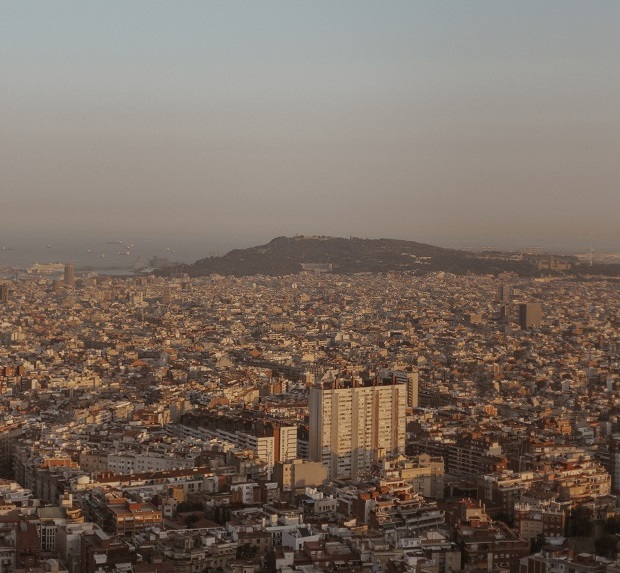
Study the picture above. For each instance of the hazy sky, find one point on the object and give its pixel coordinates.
(454, 122)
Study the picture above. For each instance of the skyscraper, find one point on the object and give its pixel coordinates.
(69, 278)
(530, 314)
(4, 292)
(504, 292)
(354, 422)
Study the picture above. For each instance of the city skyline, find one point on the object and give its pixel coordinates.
(228, 124)
(395, 347)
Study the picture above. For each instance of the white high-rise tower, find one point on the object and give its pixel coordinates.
(353, 423)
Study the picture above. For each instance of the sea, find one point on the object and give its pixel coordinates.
(106, 256)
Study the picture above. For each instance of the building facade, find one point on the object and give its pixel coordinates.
(353, 423)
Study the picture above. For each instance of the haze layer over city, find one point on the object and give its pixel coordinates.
(221, 125)
(309, 287)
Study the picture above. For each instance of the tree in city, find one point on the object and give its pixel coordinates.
(538, 542)
(580, 521)
(246, 551)
(606, 546)
(270, 561)
(185, 506)
(612, 525)
(191, 519)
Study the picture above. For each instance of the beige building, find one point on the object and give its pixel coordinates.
(412, 389)
(353, 423)
(546, 517)
(426, 473)
(299, 474)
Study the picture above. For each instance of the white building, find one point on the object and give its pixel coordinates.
(353, 423)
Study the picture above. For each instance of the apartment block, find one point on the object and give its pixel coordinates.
(355, 422)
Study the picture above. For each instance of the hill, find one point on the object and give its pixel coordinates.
(290, 255)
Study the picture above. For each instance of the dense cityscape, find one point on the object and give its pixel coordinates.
(310, 286)
(315, 422)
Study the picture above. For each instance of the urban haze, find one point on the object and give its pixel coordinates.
(226, 124)
(309, 287)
